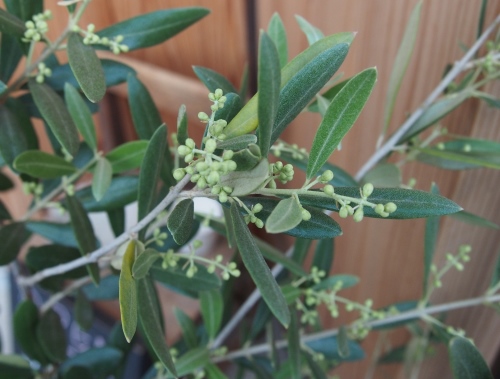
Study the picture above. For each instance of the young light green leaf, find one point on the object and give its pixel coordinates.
(145, 115)
(188, 328)
(128, 293)
(43, 165)
(127, 156)
(13, 236)
(103, 173)
(285, 216)
(323, 255)
(301, 89)
(13, 140)
(180, 221)
(312, 33)
(258, 269)
(83, 311)
(144, 262)
(247, 119)
(153, 28)
(269, 84)
(25, 322)
(237, 143)
(150, 321)
(150, 172)
(212, 310)
(430, 240)
(55, 113)
(293, 337)
(192, 360)
(81, 115)
(10, 24)
(87, 68)
(410, 203)
(471, 218)
(343, 343)
(84, 233)
(245, 182)
(182, 125)
(213, 80)
(248, 158)
(401, 62)
(384, 175)
(466, 361)
(277, 32)
(52, 336)
(435, 112)
(342, 112)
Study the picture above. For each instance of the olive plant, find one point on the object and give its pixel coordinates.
(232, 165)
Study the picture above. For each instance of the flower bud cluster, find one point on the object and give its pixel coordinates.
(284, 173)
(462, 257)
(231, 269)
(159, 237)
(114, 44)
(251, 218)
(43, 72)
(293, 149)
(37, 27)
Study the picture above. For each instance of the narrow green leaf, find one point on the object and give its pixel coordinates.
(435, 112)
(5, 183)
(52, 336)
(231, 107)
(43, 165)
(342, 112)
(128, 293)
(212, 309)
(180, 221)
(300, 250)
(464, 160)
(430, 240)
(491, 100)
(192, 360)
(16, 367)
(122, 191)
(150, 320)
(482, 14)
(312, 33)
(274, 255)
(326, 97)
(213, 372)
(395, 355)
(3, 86)
(246, 182)
(55, 113)
(13, 139)
(301, 89)
(20, 111)
(384, 175)
(150, 172)
(410, 203)
(10, 24)
(10, 55)
(277, 32)
(4, 212)
(81, 115)
(285, 216)
(25, 322)
(116, 218)
(13, 237)
(247, 119)
(60, 233)
(332, 282)
(318, 227)
(188, 328)
(230, 235)
(182, 125)
(108, 289)
(114, 73)
(145, 115)
(293, 337)
(328, 346)
(24, 9)
(155, 27)
(323, 255)
(269, 84)
(258, 269)
(101, 180)
(83, 311)
(213, 80)
(144, 262)
(399, 307)
(495, 277)
(237, 143)
(101, 362)
(401, 62)
(127, 156)
(471, 218)
(86, 67)
(84, 233)
(466, 361)
(343, 343)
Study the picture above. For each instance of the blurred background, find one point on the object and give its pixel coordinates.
(386, 255)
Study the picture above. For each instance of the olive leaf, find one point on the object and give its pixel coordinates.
(128, 293)
(180, 221)
(285, 216)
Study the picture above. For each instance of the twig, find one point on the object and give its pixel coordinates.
(405, 316)
(61, 295)
(95, 255)
(457, 69)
